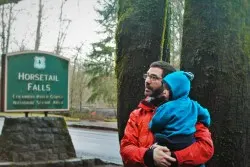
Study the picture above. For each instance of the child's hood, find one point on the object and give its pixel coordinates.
(179, 83)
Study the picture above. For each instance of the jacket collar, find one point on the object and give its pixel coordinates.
(146, 104)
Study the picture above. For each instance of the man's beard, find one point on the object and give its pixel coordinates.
(157, 92)
(155, 98)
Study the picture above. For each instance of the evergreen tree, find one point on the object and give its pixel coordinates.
(100, 63)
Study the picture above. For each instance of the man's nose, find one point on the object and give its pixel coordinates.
(147, 80)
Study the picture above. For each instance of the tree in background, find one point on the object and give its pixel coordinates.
(81, 85)
(63, 27)
(3, 27)
(99, 64)
(173, 21)
(10, 21)
(176, 11)
(39, 25)
(216, 48)
(79, 92)
(75, 67)
(140, 40)
(7, 20)
(22, 45)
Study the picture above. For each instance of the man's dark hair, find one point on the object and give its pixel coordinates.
(165, 66)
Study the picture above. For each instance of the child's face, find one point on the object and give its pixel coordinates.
(166, 92)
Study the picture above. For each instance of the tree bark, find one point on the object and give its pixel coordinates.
(73, 80)
(39, 24)
(10, 21)
(6, 27)
(139, 40)
(215, 47)
(62, 29)
(3, 36)
(166, 41)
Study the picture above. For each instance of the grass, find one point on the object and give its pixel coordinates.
(110, 120)
(91, 116)
(71, 116)
(75, 117)
(5, 114)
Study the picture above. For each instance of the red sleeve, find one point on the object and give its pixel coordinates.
(200, 151)
(130, 151)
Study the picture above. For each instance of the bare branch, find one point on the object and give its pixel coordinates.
(62, 32)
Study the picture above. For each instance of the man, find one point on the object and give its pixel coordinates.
(136, 145)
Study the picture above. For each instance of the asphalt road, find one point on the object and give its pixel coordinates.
(90, 143)
(96, 143)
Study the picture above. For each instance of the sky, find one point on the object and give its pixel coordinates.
(82, 28)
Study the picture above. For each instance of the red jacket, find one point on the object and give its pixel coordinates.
(138, 138)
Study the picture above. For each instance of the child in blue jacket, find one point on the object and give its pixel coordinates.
(174, 121)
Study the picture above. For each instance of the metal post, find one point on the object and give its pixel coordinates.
(3, 82)
(26, 114)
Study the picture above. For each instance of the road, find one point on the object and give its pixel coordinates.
(96, 143)
(93, 143)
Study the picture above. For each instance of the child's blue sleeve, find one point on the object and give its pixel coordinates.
(160, 119)
(203, 115)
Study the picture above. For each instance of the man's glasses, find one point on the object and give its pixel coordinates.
(151, 77)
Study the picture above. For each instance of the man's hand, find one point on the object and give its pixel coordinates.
(162, 156)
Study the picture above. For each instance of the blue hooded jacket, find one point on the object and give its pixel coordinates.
(178, 116)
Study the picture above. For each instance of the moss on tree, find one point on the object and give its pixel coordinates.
(138, 39)
(216, 48)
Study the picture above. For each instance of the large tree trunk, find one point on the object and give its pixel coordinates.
(166, 42)
(139, 40)
(216, 48)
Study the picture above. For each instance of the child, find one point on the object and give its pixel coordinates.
(174, 122)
